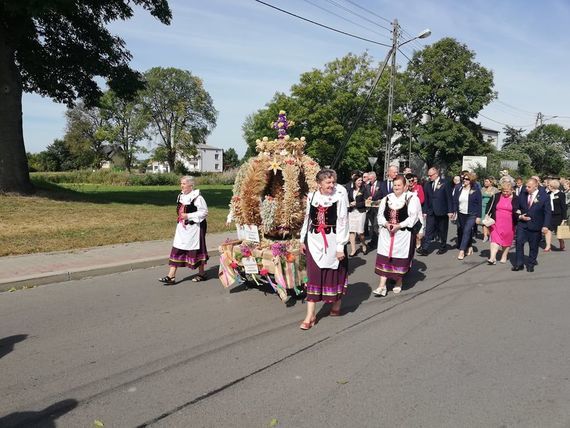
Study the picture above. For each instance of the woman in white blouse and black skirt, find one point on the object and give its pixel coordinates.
(323, 241)
(189, 245)
(399, 222)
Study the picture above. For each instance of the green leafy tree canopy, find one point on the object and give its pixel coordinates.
(56, 48)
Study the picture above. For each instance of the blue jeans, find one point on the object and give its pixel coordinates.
(465, 228)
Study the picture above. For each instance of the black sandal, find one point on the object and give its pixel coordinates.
(199, 278)
(166, 280)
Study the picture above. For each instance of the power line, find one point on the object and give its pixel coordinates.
(516, 108)
(505, 124)
(402, 52)
(323, 25)
(369, 11)
(415, 41)
(346, 19)
(532, 112)
(357, 14)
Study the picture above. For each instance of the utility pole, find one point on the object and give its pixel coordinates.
(394, 49)
(539, 119)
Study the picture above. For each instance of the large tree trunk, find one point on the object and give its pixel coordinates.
(14, 174)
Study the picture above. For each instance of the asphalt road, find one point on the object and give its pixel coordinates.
(464, 345)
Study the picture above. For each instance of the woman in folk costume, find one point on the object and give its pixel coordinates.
(189, 246)
(397, 215)
(323, 241)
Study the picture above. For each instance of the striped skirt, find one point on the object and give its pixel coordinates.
(191, 258)
(327, 285)
(395, 268)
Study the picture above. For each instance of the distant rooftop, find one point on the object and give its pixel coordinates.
(207, 146)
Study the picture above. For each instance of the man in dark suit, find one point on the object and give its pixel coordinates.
(375, 192)
(438, 209)
(534, 218)
(519, 187)
(386, 186)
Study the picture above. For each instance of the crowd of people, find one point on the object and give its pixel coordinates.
(400, 216)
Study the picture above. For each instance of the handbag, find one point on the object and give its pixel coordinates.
(488, 221)
(563, 231)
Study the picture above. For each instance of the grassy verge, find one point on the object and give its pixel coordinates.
(69, 216)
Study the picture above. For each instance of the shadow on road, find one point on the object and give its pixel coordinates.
(7, 344)
(355, 262)
(44, 418)
(415, 275)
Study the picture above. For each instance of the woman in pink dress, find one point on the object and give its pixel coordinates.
(503, 211)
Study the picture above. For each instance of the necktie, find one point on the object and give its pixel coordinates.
(373, 189)
(529, 200)
(389, 186)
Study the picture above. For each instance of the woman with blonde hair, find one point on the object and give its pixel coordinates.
(504, 211)
(559, 211)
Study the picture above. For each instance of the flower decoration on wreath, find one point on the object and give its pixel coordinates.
(282, 172)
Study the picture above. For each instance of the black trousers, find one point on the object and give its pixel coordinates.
(436, 225)
(372, 222)
(533, 238)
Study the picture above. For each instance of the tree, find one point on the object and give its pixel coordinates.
(82, 135)
(124, 125)
(547, 147)
(513, 137)
(181, 110)
(57, 157)
(446, 85)
(324, 104)
(231, 159)
(56, 48)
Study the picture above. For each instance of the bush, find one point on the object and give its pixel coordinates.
(122, 178)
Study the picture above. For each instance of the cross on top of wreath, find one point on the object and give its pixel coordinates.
(283, 145)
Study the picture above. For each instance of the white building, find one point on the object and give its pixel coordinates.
(157, 167)
(208, 159)
(491, 136)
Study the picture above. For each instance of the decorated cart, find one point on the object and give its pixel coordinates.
(268, 207)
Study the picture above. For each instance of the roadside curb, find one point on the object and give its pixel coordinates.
(34, 280)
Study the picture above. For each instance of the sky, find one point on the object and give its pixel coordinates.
(245, 51)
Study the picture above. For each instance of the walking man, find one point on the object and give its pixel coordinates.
(438, 209)
(534, 213)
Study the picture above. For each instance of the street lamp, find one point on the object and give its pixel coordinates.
(395, 46)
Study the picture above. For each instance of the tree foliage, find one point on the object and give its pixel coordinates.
(182, 112)
(231, 159)
(56, 48)
(447, 86)
(323, 104)
(124, 125)
(82, 137)
(547, 147)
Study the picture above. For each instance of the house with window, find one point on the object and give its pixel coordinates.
(157, 167)
(208, 159)
(491, 136)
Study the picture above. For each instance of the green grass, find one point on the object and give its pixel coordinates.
(70, 216)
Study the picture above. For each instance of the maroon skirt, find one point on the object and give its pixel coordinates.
(395, 268)
(327, 285)
(191, 258)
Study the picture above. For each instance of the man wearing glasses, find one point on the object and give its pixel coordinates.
(438, 209)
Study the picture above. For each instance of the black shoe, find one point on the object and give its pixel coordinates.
(441, 251)
(516, 268)
(422, 252)
(166, 280)
(530, 268)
